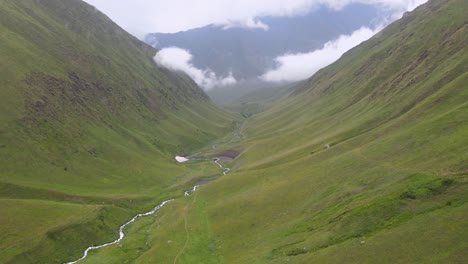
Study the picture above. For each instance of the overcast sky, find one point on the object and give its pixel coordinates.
(147, 16)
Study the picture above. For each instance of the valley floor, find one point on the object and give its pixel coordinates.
(303, 210)
(364, 162)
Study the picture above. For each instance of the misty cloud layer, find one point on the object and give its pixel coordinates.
(180, 60)
(296, 67)
(246, 23)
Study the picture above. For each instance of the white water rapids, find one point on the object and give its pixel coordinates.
(187, 193)
(155, 209)
(226, 170)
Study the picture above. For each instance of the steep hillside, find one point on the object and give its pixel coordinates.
(89, 126)
(365, 163)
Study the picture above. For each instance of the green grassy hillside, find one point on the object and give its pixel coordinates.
(391, 188)
(89, 126)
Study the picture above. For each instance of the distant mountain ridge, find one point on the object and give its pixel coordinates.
(249, 52)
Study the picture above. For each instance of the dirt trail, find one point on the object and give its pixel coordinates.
(185, 210)
(187, 234)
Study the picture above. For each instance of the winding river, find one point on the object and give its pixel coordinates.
(152, 212)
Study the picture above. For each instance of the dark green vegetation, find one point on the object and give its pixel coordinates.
(89, 126)
(392, 187)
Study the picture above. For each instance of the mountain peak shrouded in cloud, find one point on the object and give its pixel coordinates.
(142, 16)
(223, 42)
(249, 51)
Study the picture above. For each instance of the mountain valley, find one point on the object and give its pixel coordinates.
(366, 161)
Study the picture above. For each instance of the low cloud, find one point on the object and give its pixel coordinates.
(178, 59)
(246, 23)
(295, 67)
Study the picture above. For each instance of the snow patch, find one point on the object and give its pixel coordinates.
(181, 159)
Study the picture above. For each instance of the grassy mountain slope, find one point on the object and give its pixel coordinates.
(390, 189)
(89, 126)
